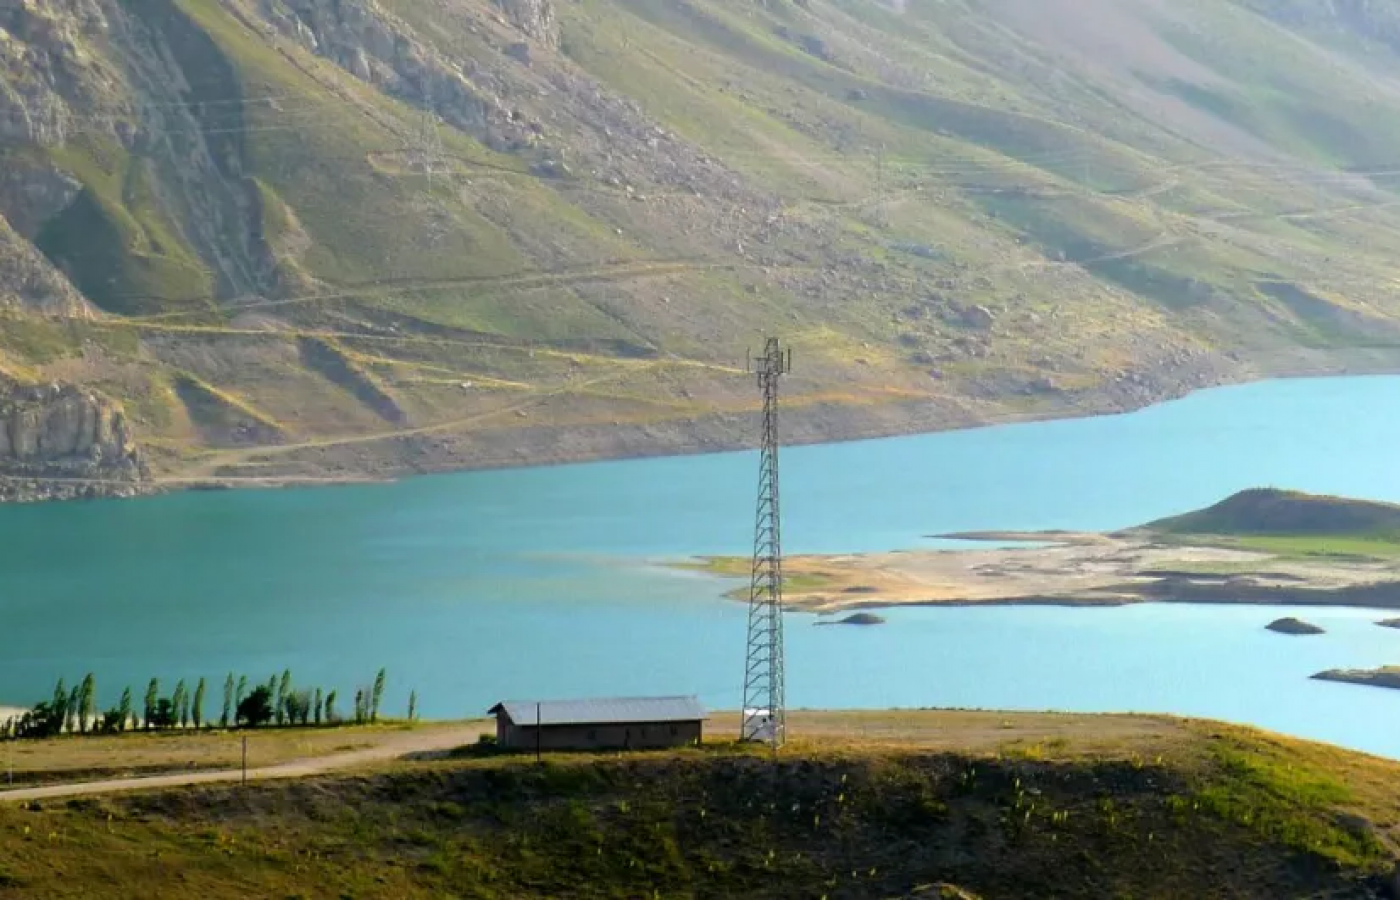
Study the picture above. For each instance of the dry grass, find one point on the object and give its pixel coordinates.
(861, 804)
(972, 731)
(79, 758)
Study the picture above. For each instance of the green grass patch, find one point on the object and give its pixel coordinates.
(1236, 814)
(115, 241)
(1287, 800)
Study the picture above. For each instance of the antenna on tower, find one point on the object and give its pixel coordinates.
(765, 711)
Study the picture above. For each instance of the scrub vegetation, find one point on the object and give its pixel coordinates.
(996, 804)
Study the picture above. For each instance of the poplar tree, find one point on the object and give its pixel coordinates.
(180, 701)
(240, 692)
(228, 702)
(197, 711)
(87, 703)
(316, 706)
(152, 697)
(74, 696)
(124, 708)
(330, 708)
(376, 696)
(60, 704)
(412, 705)
(284, 690)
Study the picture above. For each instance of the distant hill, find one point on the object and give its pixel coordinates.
(1271, 512)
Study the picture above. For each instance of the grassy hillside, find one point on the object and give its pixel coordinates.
(1141, 808)
(1268, 511)
(1292, 522)
(474, 226)
(1284, 518)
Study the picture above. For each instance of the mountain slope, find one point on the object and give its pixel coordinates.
(298, 238)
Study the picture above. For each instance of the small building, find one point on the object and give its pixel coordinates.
(618, 723)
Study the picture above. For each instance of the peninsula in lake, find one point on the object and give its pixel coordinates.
(1260, 546)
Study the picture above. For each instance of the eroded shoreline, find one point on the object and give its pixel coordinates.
(1069, 569)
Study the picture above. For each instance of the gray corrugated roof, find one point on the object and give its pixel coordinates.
(603, 710)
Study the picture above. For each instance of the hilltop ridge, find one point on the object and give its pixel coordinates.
(1270, 511)
(867, 804)
(300, 240)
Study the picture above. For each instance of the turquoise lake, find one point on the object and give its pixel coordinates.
(484, 586)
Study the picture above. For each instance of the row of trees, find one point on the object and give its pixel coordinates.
(277, 702)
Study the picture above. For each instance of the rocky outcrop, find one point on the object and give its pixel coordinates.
(535, 18)
(1386, 676)
(863, 618)
(371, 44)
(63, 441)
(32, 192)
(48, 68)
(29, 280)
(1291, 625)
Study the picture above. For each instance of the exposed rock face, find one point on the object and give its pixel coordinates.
(33, 192)
(48, 68)
(535, 18)
(115, 74)
(27, 279)
(377, 48)
(63, 441)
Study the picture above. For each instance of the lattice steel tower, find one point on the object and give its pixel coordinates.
(428, 143)
(765, 716)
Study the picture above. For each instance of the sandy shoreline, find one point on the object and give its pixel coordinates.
(1079, 570)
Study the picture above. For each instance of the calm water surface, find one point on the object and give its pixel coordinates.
(482, 586)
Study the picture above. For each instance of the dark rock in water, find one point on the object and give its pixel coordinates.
(858, 619)
(1389, 623)
(1291, 625)
(1386, 676)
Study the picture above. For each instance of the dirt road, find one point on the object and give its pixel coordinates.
(408, 743)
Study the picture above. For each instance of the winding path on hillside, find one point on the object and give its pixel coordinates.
(410, 743)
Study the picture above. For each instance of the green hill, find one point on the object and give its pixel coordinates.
(1270, 512)
(1178, 810)
(285, 232)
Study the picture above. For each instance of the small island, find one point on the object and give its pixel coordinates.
(1261, 546)
(1389, 623)
(1386, 676)
(862, 618)
(1290, 625)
